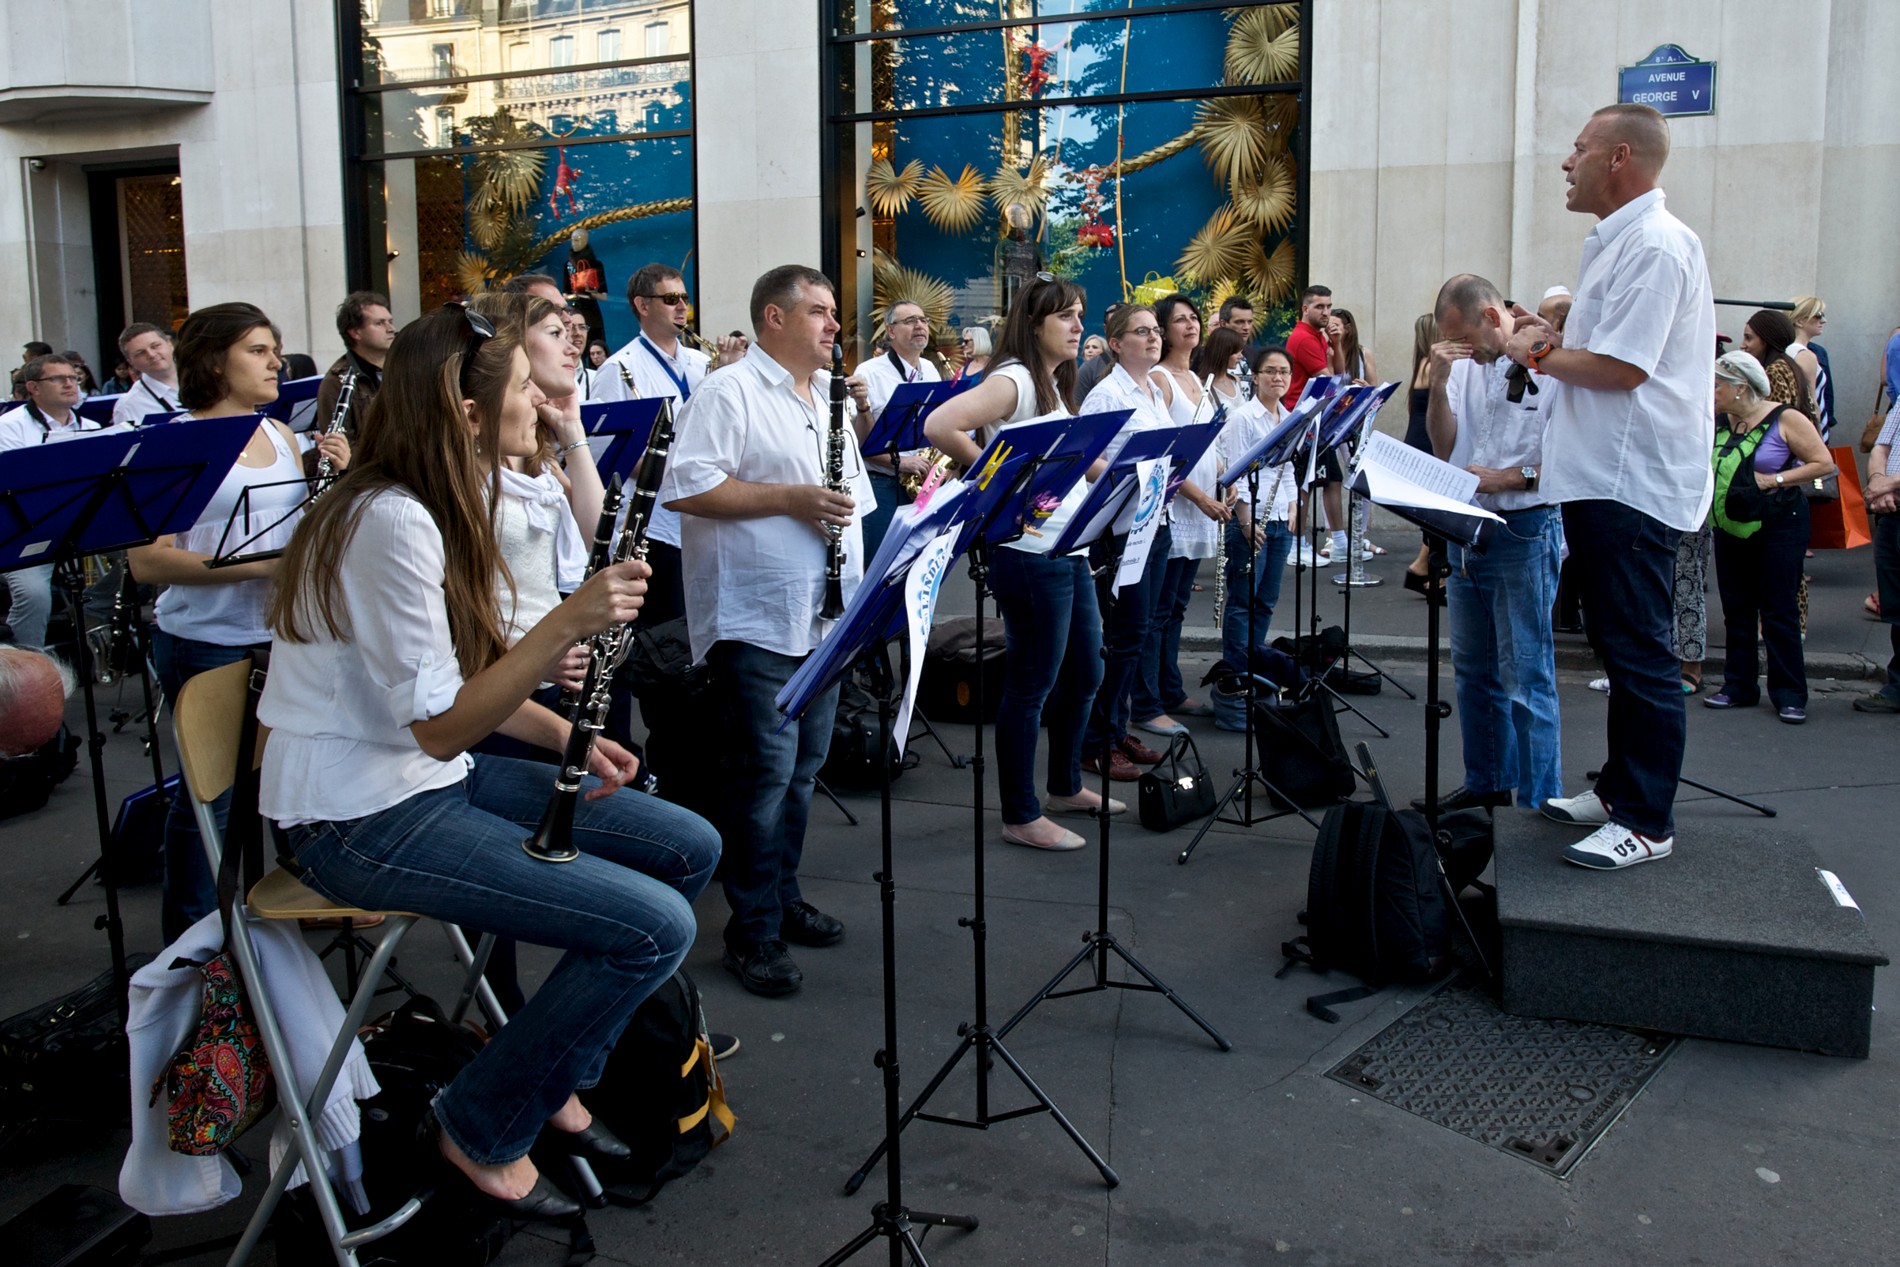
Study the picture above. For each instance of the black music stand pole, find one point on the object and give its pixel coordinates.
(1250, 774)
(891, 1218)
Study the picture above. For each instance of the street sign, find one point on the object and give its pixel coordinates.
(1671, 81)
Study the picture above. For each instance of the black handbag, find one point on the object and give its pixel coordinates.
(1178, 790)
(67, 1058)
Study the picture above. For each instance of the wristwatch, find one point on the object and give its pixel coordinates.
(1538, 351)
(1530, 477)
(1777, 478)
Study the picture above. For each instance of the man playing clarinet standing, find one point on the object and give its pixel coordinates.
(749, 477)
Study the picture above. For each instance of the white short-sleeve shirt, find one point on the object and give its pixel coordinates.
(883, 375)
(25, 427)
(339, 711)
(1248, 423)
(654, 373)
(147, 396)
(1643, 297)
(759, 581)
(1494, 433)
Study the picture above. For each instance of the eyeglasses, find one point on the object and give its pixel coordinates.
(968, 343)
(671, 297)
(55, 378)
(482, 329)
(911, 321)
(1141, 332)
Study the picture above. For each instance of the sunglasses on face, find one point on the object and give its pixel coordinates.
(671, 297)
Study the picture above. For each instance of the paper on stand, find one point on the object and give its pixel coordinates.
(1422, 471)
(921, 584)
(1153, 481)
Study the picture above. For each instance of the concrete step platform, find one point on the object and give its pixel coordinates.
(1733, 936)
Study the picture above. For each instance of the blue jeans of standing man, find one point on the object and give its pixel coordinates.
(189, 891)
(1626, 567)
(622, 912)
(1248, 613)
(1158, 683)
(1052, 667)
(1504, 657)
(1124, 631)
(771, 775)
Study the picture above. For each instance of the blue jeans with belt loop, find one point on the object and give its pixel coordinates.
(622, 911)
(1052, 668)
(1504, 657)
(1124, 631)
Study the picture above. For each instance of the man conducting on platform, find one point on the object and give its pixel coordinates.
(1627, 456)
(748, 476)
(1487, 415)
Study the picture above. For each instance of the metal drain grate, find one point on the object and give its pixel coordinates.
(1541, 1090)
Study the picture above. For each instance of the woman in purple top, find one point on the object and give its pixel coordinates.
(1764, 451)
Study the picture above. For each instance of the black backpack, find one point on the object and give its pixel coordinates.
(26, 782)
(660, 1094)
(1377, 902)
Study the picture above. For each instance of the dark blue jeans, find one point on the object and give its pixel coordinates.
(1124, 631)
(623, 912)
(1887, 581)
(190, 891)
(1158, 684)
(1248, 614)
(1052, 667)
(770, 777)
(878, 521)
(1626, 563)
(1759, 578)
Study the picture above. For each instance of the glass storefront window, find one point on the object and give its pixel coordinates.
(487, 131)
(1137, 148)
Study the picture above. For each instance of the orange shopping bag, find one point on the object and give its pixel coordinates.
(1841, 524)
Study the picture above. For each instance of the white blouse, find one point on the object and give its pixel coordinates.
(340, 710)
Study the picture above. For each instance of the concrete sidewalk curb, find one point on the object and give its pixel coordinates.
(1572, 653)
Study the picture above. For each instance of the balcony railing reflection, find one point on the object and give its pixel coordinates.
(543, 85)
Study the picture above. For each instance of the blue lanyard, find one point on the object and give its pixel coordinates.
(679, 380)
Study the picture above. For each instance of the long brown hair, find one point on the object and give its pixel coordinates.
(1035, 303)
(417, 438)
(1424, 334)
(1776, 332)
(1349, 355)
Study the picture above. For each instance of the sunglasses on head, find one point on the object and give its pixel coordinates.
(481, 329)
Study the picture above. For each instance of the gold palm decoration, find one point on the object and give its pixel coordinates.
(952, 205)
(1263, 46)
(512, 176)
(1233, 135)
(1266, 201)
(891, 281)
(889, 190)
(1271, 275)
(1218, 250)
(472, 272)
(488, 221)
(1029, 189)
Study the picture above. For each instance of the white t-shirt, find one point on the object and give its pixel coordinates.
(1643, 297)
(340, 711)
(148, 396)
(1248, 423)
(1493, 432)
(760, 581)
(25, 427)
(654, 373)
(232, 615)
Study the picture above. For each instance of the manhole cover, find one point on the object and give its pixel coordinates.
(1544, 1091)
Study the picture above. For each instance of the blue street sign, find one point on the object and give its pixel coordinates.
(1670, 80)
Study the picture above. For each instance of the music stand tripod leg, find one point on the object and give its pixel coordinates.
(890, 1218)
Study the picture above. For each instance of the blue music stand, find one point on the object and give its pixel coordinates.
(292, 397)
(617, 432)
(98, 408)
(900, 426)
(93, 495)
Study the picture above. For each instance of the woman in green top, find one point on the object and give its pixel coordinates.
(1764, 452)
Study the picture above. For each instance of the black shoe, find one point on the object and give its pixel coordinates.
(595, 1143)
(1464, 798)
(803, 924)
(765, 969)
(544, 1202)
(724, 1046)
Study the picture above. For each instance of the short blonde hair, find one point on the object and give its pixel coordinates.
(1807, 308)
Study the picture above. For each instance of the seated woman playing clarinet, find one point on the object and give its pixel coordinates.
(390, 663)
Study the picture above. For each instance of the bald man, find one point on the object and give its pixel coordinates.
(32, 700)
(1626, 454)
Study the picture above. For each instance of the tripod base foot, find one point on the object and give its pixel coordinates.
(895, 1225)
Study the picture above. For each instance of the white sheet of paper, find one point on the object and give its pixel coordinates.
(1421, 470)
(921, 584)
(1153, 478)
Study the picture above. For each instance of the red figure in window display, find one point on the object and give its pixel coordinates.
(564, 178)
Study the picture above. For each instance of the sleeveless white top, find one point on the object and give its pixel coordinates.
(1018, 374)
(1193, 534)
(232, 615)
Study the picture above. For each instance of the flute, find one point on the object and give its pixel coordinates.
(553, 839)
(834, 480)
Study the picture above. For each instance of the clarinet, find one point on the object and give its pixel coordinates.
(326, 469)
(834, 480)
(553, 840)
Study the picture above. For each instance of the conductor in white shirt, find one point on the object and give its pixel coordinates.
(748, 477)
(907, 327)
(1626, 454)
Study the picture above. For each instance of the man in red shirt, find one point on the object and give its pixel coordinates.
(1306, 343)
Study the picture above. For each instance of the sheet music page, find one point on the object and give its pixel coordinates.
(1395, 457)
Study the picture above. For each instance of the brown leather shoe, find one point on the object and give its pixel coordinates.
(1120, 768)
(1139, 752)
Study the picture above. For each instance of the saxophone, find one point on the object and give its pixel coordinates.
(834, 481)
(553, 839)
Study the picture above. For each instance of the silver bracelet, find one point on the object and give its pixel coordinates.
(566, 449)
